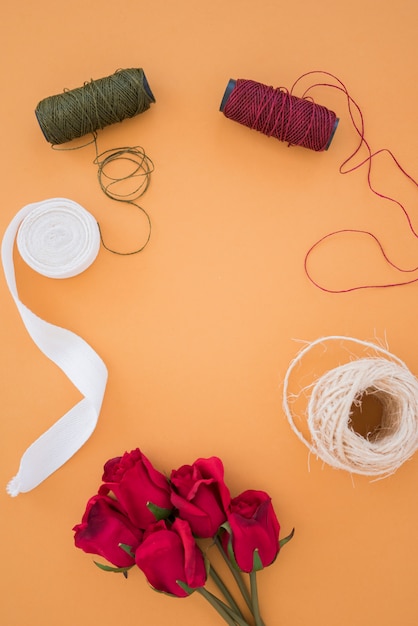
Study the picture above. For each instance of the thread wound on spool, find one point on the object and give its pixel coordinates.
(97, 104)
(330, 407)
(276, 112)
(90, 108)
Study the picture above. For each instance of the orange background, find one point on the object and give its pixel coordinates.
(198, 330)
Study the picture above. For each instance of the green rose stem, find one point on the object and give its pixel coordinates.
(225, 591)
(224, 610)
(236, 574)
(254, 599)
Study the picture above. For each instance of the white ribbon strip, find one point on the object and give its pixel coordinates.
(58, 238)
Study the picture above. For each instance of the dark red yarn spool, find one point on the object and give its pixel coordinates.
(276, 112)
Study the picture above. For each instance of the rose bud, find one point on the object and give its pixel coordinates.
(168, 554)
(103, 527)
(252, 531)
(200, 495)
(136, 484)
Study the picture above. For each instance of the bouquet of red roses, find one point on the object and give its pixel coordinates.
(141, 518)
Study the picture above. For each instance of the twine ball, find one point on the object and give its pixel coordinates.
(58, 238)
(329, 413)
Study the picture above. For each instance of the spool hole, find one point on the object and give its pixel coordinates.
(366, 416)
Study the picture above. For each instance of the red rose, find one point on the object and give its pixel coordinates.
(200, 495)
(103, 527)
(169, 554)
(254, 531)
(135, 483)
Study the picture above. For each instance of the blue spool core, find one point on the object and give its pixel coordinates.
(148, 89)
(332, 133)
(40, 125)
(229, 88)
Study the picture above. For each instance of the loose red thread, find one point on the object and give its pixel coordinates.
(357, 119)
(278, 113)
(300, 122)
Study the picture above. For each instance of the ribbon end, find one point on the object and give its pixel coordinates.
(13, 487)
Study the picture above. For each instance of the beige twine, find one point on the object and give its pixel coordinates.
(330, 407)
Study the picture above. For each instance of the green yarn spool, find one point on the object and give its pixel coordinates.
(99, 103)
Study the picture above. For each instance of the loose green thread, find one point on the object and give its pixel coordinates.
(83, 111)
(139, 178)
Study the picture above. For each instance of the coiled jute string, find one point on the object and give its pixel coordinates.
(332, 399)
(58, 238)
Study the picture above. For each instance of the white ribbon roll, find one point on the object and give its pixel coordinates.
(57, 238)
